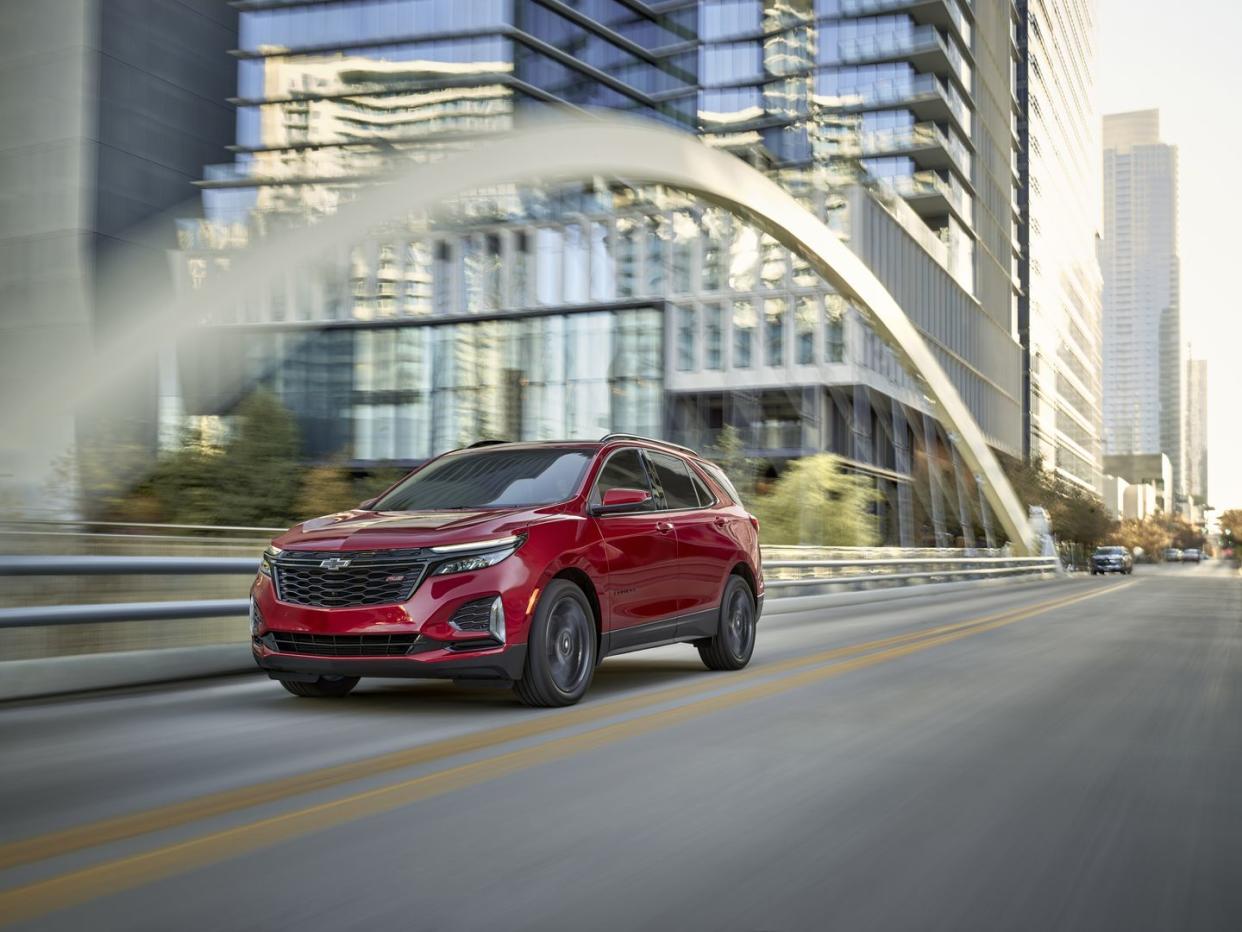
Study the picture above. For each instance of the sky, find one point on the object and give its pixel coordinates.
(1182, 59)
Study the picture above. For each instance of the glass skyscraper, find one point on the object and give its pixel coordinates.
(1059, 308)
(1144, 355)
(577, 309)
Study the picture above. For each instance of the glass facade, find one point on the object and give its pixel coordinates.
(573, 310)
(1060, 308)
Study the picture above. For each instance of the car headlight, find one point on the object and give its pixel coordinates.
(476, 555)
(265, 562)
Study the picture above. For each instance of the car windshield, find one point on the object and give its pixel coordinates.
(490, 479)
(1111, 550)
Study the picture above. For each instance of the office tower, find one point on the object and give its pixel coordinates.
(109, 110)
(892, 121)
(1196, 431)
(1144, 355)
(1060, 305)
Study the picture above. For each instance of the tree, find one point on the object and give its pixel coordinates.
(1231, 530)
(729, 453)
(1077, 516)
(325, 490)
(815, 502)
(1146, 537)
(260, 468)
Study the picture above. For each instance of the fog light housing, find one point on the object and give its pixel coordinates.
(481, 616)
(256, 619)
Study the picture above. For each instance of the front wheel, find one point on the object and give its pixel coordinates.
(326, 687)
(734, 641)
(560, 650)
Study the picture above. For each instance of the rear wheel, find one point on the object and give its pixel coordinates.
(326, 687)
(560, 650)
(734, 642)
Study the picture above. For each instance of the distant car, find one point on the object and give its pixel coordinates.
(1111, 560)
(1192, 556)
(1172, 555)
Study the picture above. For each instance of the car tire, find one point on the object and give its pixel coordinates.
(734, 641)
(323, 688)
(560, 649)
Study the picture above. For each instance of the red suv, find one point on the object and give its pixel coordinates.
(520, 562)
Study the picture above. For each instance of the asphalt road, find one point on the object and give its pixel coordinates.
(1062, 755)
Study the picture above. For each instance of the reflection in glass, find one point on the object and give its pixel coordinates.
(806, 317)
(743, 334)
(713, 336)
(687, 331)
(774, 331)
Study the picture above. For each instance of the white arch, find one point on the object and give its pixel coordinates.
(634, 150)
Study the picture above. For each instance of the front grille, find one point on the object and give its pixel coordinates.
(344, 645)
(372, 577)
(474, 616)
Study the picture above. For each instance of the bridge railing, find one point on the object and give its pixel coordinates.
(788, 571)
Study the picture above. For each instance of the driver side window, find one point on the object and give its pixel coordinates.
(624, 470)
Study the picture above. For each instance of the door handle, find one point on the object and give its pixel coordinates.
(664, 526)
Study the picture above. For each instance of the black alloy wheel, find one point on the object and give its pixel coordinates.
(561, 648)
(734, 642)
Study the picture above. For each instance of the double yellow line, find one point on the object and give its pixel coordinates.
(128, 872)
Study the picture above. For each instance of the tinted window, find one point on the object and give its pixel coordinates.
(673, 477)
(624, 470)
(700, 487)
(490, 479)
(722, 480)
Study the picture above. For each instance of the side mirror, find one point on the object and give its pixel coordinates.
(368, 504)
(623, 501)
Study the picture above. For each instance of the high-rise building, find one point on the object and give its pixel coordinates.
(109, 109)
(577, 309)
(1144, 354)
(1196, 430)
(1060, 305)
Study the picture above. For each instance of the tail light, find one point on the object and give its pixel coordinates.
(754, 522)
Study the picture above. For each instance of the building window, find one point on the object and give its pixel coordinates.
(549, 259)
(774, 331)
(653, 259)
(687, 331)
(603, 271)
(685, 232)
(713, 337)
(577, 273)
(743, 334)
(715, 240)
(774, 263)
(834, 328)
(743, 255)
(519, 270)
(805, 319)
(626, 251)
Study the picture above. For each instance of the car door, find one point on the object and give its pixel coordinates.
(705, 549)
(642, 583)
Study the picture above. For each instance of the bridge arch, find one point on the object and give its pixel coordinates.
(640, 151)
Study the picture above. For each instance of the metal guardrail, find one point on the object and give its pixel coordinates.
(780, 575)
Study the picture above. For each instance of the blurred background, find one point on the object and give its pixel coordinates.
(956, 147)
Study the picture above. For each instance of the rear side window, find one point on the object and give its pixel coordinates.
(673, 477)
(722, 480)
(624, 470)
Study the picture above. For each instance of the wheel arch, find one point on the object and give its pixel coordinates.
(579, 578)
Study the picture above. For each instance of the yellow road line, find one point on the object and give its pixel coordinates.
(126, 873)
(118, 828)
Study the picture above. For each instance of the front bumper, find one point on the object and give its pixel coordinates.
(501, 663)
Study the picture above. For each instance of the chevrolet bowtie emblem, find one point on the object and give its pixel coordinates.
(334, 563)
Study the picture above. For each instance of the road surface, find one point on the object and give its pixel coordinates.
(1058, 755)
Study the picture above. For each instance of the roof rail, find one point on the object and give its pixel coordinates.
(486, 443)
(661, 443)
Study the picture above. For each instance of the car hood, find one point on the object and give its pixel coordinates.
(381, 530)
